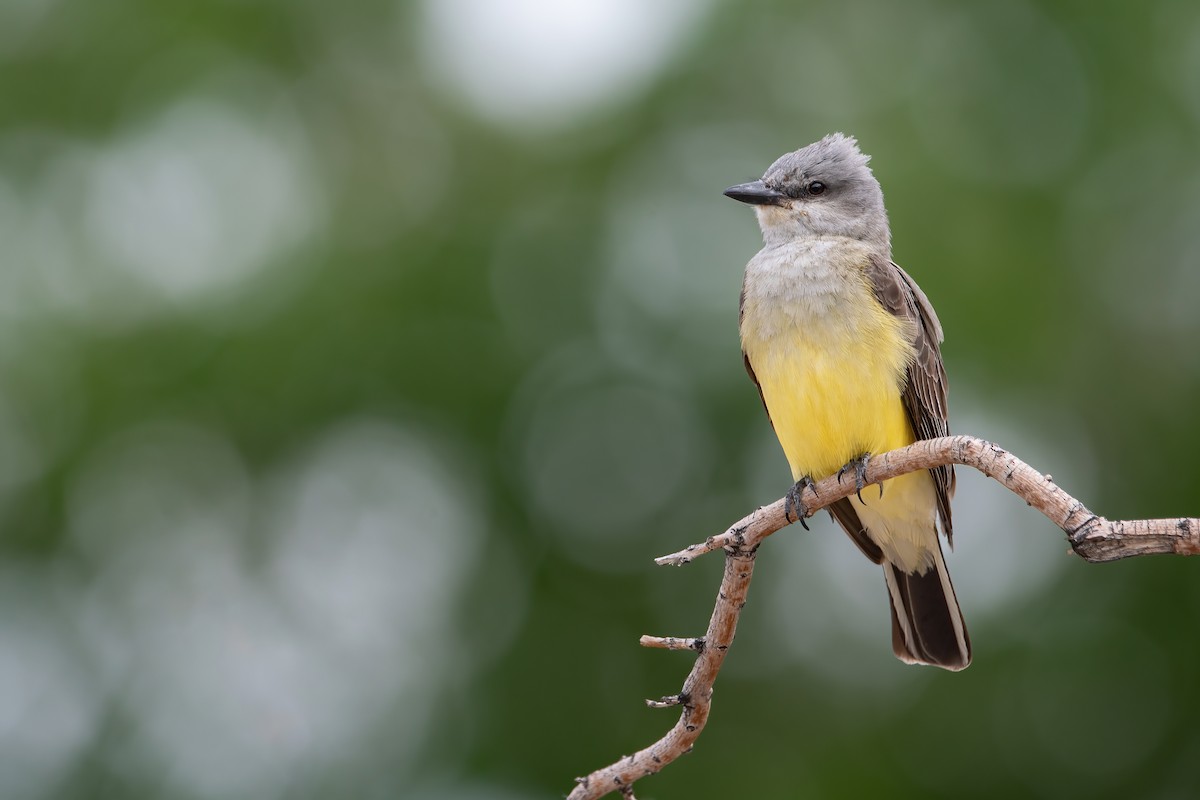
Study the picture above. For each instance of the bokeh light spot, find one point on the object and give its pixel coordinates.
(199, 199)
(1146, 251)
(602, 454)
(242, 671)
(529, 64)
(50, 702)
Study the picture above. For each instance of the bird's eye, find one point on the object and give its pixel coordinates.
(816, 187)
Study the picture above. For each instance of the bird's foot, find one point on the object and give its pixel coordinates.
(793, 505)
(859, 465)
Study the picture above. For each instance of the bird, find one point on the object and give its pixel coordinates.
(845, 350)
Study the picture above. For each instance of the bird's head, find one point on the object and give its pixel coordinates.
(824, 189)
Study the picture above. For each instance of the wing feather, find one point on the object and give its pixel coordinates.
(925, 388)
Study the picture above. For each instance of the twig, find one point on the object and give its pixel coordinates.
(672, 643)
(1092, 537)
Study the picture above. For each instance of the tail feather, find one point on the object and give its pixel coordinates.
(927, 625)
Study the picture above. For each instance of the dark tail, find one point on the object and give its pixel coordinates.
(927, 625)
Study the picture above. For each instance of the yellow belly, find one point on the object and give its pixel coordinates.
(830, 403)
(833, 392)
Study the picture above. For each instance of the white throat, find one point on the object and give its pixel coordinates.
(807, 280)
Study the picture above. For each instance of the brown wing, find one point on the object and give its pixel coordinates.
(842, 511)
(925, 389)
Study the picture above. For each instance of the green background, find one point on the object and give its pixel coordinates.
(357, 359)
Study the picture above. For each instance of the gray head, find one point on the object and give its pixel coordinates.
(825, 189)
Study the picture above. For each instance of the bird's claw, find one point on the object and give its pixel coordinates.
(859, 465)
(793, 505)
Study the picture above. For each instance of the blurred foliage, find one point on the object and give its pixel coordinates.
(356, 360)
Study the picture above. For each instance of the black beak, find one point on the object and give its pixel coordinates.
(756, 193)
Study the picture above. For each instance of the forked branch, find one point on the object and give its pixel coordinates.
(1093, 538)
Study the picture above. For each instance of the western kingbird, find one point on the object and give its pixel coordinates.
(843, 346)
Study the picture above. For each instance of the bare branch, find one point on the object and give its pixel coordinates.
(666, 702)
(1091, 537)
(672, 643)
